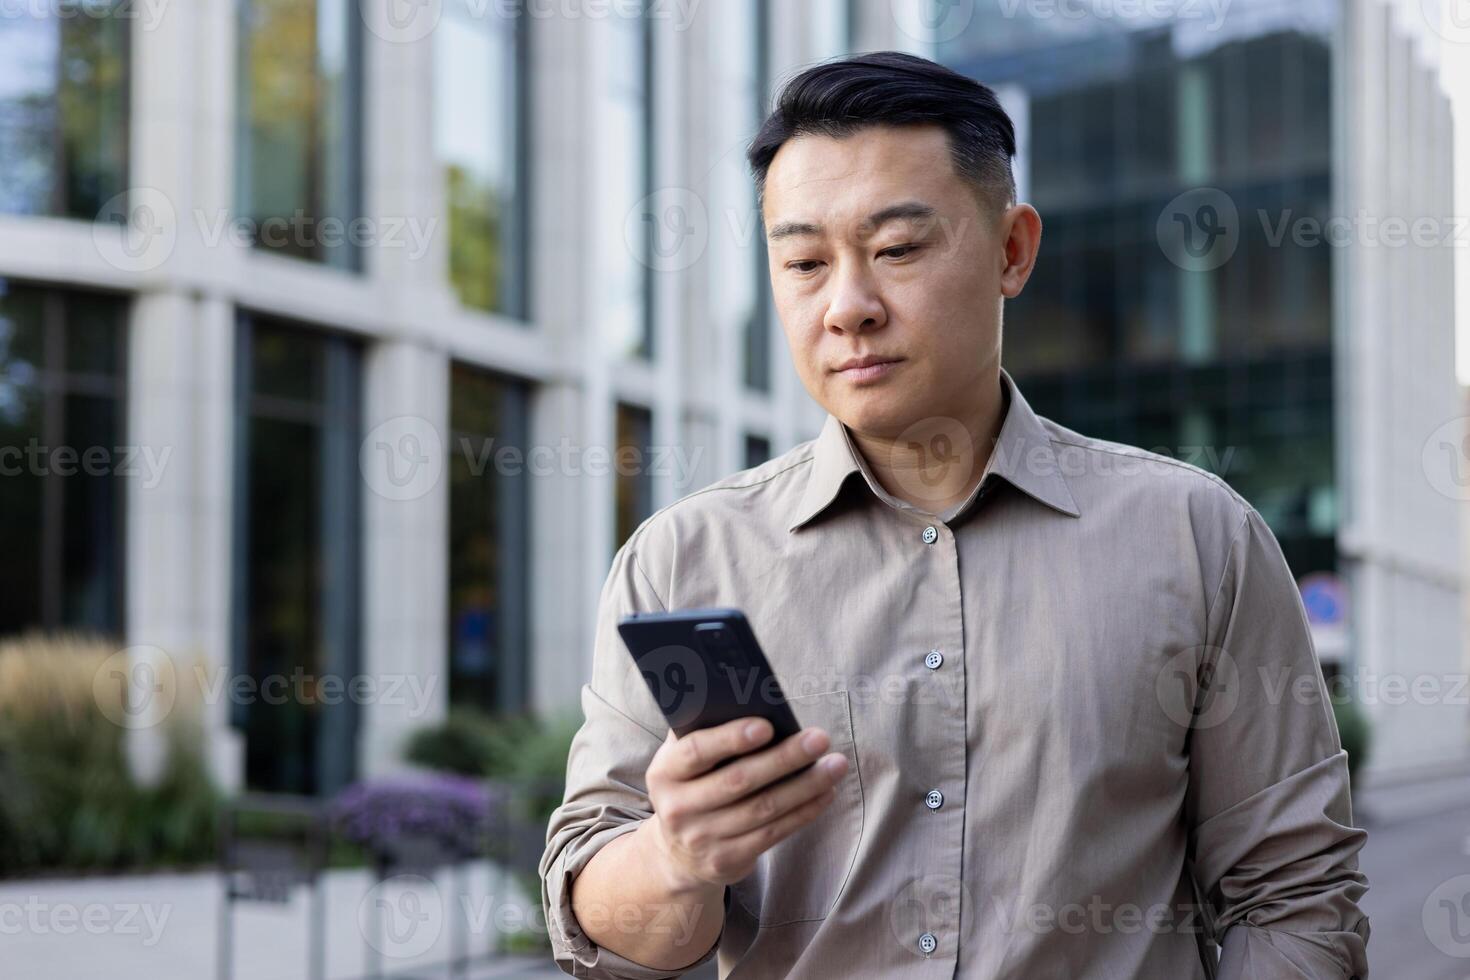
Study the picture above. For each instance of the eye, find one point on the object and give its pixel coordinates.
(899, 251)
(803, 265)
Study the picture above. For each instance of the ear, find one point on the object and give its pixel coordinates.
(1020, 231)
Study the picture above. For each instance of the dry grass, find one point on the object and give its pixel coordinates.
(51, 676)
(69, 678)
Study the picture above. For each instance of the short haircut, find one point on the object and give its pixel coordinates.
(888, 88)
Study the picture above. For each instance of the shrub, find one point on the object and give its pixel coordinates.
(67, 800)
(1354, 732)
(451, 811)
(471, 743)
(521, 751)
(525, 755)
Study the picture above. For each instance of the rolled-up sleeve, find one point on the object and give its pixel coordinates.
(606, 795)
(1272, 840)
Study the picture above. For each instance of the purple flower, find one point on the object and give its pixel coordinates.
(453, 811)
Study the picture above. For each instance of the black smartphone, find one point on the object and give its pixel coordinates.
(704, 668)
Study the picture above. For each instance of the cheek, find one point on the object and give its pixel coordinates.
(933, 292)
(802, 322)
(807, 352)
(806, 347)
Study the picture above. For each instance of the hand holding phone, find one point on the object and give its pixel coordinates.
(711, 821)
(741, 775)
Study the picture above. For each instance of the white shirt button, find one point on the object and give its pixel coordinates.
(931, 534)
(934, 800)
(927, 943)
(934, 659)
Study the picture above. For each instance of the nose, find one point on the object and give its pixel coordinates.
(855, 306)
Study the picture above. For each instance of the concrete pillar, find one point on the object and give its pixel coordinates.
(405, 510)
(180, 385)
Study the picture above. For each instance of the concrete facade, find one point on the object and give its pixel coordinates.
(1394, 316)
(184, 295)
(1399, 537)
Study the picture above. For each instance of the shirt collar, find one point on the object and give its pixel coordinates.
(1023, 456)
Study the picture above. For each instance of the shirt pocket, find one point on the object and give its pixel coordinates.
(801, 878)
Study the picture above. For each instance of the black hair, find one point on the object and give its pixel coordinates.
(890, 88)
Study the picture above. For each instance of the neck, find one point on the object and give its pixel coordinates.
(936, 464)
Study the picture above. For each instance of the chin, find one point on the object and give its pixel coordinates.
(877, 413)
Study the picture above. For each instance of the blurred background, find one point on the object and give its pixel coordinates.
(342, 343)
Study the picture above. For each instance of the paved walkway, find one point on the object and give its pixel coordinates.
(1418, 864)
(164, 927)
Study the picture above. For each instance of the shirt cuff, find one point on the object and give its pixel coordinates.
(1252, 953)
(575, 953)
(1281, 868)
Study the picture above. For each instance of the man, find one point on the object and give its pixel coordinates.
(1066, 714)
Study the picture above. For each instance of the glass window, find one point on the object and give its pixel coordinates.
(1110, 336)
(299, 169)
(488, 559)
(1115, 140)
(64, 108)
(634, 493)
(296, 550)
(757, 450)
(630, 172)
(62, 451)
(1263, 425)
(479, 141)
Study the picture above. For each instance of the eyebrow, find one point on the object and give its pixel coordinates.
(876, 220)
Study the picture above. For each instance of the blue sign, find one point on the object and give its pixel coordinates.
(1324, 597)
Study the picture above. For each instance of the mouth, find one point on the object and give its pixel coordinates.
(873, 367)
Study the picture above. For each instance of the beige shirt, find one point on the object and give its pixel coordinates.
(1087, 731)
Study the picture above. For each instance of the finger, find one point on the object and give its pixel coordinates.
(698, 752)
(745, 776)
(756, 842)
(776, 801)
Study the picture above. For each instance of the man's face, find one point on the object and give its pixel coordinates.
(879, 249)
